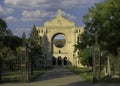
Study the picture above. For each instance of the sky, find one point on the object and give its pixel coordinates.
(22, 15)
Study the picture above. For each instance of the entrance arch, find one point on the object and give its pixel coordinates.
(59, 60)
(65, 60)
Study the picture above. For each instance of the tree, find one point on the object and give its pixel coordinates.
(8, 44)
(3, 27)
(9, 32)
(86, 57)
(103, 18)
(24, 39)
(34, 46)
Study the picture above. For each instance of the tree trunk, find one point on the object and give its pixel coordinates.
(0, 69)
(108, 66)
(31, 69)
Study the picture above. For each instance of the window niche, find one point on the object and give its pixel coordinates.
(59, 51)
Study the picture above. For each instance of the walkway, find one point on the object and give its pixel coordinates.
(60, 77)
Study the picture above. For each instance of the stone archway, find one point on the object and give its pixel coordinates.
(65, 60)
(57, 43)
(59, 60)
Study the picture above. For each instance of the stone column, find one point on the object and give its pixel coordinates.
(62, 62)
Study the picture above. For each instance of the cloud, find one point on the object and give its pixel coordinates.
(36, 15)
(49, 4)
(19, 31)
(30, 2)
(27, 4)
(32, 11)
(10, 19)
(69, 16)
(39, 15)
(68, 4)
(6, 11)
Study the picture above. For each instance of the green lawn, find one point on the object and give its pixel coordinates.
(11, 76)
(82, 72)
(110, 79)
(15, 76)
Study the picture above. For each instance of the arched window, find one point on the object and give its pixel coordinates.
(59, 51)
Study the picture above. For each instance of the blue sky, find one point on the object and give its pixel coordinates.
(21, 15)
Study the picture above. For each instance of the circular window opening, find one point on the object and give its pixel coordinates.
(59, 41)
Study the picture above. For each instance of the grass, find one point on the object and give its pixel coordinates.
(82, 72)
(11, 76)
(110, 79)
(39, 72)
(15, 76)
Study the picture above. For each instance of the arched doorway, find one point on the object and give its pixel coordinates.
(59, 60)
(65, 60)
(53, 61)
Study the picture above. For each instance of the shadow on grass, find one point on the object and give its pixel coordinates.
(85, 83)
(88, 76)
(110, 79)
(15, 77)
(84, 73)
(11, 77)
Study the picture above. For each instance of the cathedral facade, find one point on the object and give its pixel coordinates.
(60, 51)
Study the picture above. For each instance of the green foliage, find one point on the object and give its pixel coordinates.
(8, 44)
(13, 42)
(34, 35)
(84, 40)
(3, 25)
(85, 56)
(34, 47)
(33, 41)
(9, 32)
(104, 18)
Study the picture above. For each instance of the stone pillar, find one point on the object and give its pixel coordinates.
(62, 62)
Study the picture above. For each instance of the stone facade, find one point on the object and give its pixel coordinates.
(60, 26)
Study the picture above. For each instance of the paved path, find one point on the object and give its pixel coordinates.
(59, 77)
